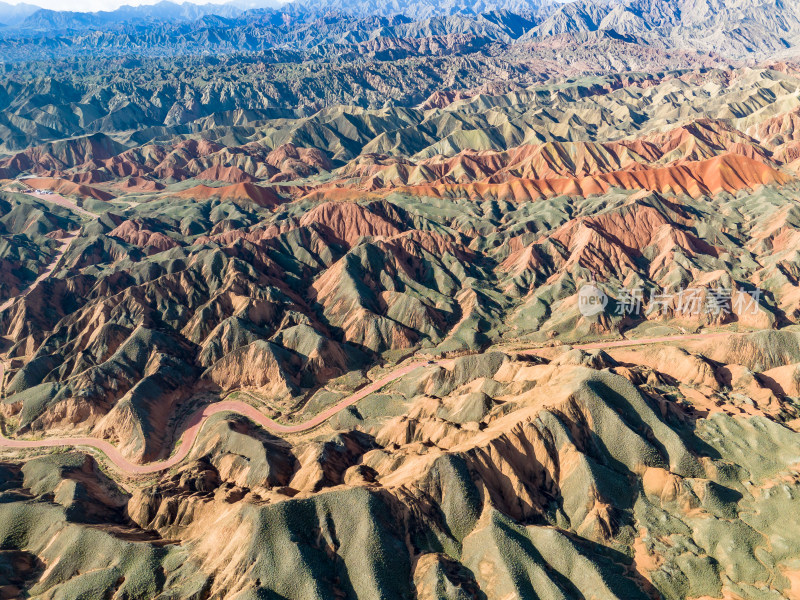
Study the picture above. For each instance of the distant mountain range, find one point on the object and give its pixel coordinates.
(13, 14)
(732, 29)
(355, 31)
(415, 9)
(29, 16)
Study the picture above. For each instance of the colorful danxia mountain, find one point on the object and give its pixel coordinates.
(408, 300)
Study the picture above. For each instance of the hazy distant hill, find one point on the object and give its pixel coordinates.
(733, 27)
(160, 13)
(164, 13)
(416, 9)
(12, 14)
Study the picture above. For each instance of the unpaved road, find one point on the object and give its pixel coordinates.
(199, 417)
(196, 421)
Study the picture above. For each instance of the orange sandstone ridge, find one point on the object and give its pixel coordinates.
(262, 196)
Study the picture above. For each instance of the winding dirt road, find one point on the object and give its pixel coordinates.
(196, 421)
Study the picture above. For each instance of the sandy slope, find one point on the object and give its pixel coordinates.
(65, 202)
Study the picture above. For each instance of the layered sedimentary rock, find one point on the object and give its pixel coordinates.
(193, 253)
